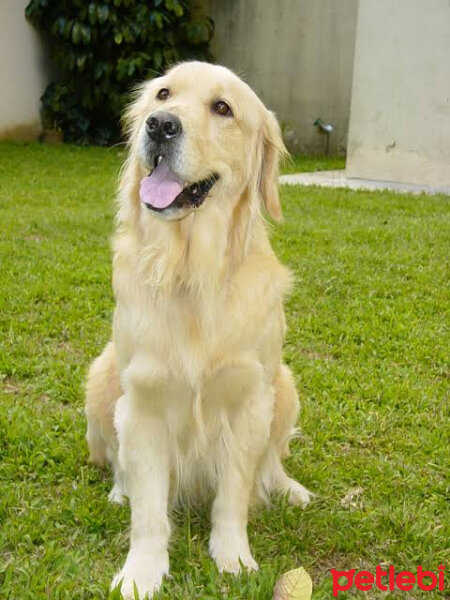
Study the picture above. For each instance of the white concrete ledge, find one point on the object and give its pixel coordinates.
(338, 179)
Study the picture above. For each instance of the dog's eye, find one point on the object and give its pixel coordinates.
(221, 108)
(163, 94)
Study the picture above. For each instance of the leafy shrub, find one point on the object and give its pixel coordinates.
(101, 48)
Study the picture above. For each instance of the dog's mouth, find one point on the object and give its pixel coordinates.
(162, 190)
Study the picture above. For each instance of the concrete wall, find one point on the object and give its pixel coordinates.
(23, 74)
(298, 56)
(400, 114)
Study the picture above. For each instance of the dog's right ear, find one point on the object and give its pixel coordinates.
(273, 150)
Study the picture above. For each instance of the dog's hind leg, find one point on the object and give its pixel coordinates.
(286, 411)
(102, 392)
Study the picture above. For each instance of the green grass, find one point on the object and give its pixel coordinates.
(299, 163)
(367, 341)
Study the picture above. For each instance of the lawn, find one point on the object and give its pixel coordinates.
(300, 163)
(368, 341)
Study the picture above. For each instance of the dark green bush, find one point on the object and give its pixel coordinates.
(101, 48)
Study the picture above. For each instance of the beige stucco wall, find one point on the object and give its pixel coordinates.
(297, 55)
(400, 114)
(23, 74)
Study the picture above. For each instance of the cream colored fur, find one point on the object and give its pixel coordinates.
(191, 397)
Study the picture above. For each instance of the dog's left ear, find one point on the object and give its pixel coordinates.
(273, 149)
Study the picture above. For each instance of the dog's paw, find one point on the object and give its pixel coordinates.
(298, 494)
(145, 571)
(116, 495)
(231, 553)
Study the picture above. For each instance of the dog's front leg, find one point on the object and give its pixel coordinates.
(250, 425)
(144, 460)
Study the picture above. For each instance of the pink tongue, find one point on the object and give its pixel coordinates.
(161, 188)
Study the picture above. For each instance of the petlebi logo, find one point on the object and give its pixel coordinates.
(388, 579)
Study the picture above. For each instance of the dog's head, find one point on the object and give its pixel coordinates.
(199, 134)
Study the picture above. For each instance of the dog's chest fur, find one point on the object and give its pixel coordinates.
(197, 353)
(194, 326)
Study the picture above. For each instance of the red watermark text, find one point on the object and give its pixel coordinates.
(388, 579)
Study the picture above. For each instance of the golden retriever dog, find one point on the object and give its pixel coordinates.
(191, 399)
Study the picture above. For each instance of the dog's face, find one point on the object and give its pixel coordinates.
(201, 135)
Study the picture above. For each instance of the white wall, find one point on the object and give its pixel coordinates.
(23, 75)
(297, 55)
(400, 112)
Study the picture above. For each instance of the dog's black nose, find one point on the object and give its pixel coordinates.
(163, 126)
